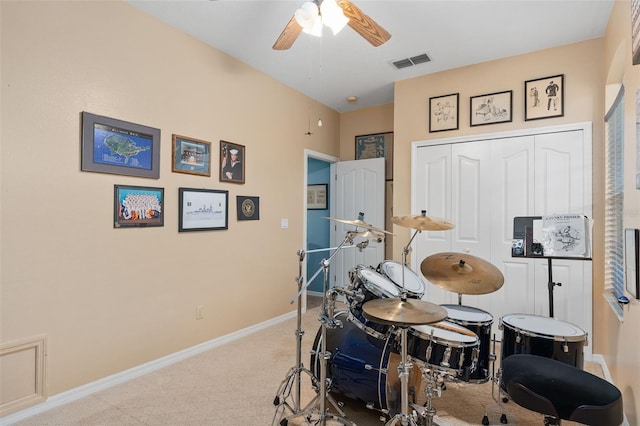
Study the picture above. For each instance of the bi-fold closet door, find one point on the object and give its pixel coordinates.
(480, 186)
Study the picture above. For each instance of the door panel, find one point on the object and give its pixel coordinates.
(359, 188)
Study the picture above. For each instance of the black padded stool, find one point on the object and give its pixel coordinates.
(561, 391)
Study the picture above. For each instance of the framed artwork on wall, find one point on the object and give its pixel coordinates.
(202, 209)
(443, 113)
(317, 196)
(232, 161)
(544, 97)
(191, 156)
(379, 145)
(632, 263)
(119, 147)
(491, 108)
(137, 206)
(635, 32)
(248, 208)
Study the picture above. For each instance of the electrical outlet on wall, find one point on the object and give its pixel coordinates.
(199, 312)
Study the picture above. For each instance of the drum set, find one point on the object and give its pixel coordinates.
(389, 341)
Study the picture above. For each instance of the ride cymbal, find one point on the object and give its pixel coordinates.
(462, 273)
(359, 223)
(395, 311)
(423, 222)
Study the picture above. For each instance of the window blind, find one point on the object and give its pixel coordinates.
(614, 197)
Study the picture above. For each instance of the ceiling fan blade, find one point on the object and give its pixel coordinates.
(288, 35)
(363, 24)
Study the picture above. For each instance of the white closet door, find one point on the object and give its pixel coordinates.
(512, 177)
(433, 194)
(471, 207)
(562, 187)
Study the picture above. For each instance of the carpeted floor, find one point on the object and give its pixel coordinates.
(236, 384)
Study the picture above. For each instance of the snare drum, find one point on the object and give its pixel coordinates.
(367, 285)
(413, 284)
(543, 336)
(480, 323)
(445, 346)
(363, 367)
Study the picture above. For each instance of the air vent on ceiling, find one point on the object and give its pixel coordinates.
(414, 60)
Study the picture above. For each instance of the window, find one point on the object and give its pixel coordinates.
(614, 201)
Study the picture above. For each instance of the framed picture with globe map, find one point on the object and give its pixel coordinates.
(119, 147)
(377, 146)
(137, 206)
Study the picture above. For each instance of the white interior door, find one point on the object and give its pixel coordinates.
(359, 187)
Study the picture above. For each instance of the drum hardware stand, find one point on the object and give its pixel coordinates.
(435, 384)
(403, 372)
(495, 379)
(326, 321)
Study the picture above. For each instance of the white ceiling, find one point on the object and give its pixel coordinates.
(454, 33)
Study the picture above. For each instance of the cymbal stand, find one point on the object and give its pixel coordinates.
(435, 380)
(405, 251)
(293, 377)
(495, 379)
(326, 321)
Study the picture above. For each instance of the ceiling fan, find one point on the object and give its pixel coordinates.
(309, 18)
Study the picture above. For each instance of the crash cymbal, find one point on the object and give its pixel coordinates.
(423, 222)
(359, 223)
(396, 311)
(462, 273)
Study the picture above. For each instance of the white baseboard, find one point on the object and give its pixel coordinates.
(607, 375)
(132, 373)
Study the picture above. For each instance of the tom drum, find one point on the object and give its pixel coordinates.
(543, 336)
(413, 283)
(480, 323)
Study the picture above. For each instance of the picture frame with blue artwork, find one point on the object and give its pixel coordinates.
(119, 147)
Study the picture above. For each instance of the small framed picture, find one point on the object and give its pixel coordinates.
(248, 208)
(544, 97)
(137, 206)
(232, 161)
(317, 197)
(191, 156)
(119, 147)
(491, 108)
(443, 113)
(378, 145)
(632, 262)
(202, 209)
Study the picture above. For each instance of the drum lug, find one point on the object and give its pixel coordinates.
(446, 357)
(371, 367)
(518, 338)
(565, 347)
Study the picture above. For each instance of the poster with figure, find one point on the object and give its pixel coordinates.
(565, 235)
(544, 98)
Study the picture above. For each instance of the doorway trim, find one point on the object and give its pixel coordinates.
(308, 153)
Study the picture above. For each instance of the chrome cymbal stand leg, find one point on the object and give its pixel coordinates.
(403, 372)
(433, 388)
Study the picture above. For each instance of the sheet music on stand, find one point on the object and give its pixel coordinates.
(560, 236)
(564, 235)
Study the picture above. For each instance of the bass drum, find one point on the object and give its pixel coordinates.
(543, 336)
(480, 323)
(413, 284)
(363, 367)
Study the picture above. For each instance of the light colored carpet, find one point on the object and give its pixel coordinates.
(235, 385)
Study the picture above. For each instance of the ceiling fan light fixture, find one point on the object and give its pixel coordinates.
(333, 16)
(308, 17)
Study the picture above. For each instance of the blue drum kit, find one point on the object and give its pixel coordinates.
(389, 341)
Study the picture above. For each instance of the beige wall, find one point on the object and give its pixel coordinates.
(110, 299)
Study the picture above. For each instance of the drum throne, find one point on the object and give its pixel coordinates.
(560, 391)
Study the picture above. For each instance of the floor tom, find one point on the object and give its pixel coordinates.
(543, 336)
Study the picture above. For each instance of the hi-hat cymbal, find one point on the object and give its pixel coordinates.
(423, 222)
(395, 311)
(359, 223)
(462, 273)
